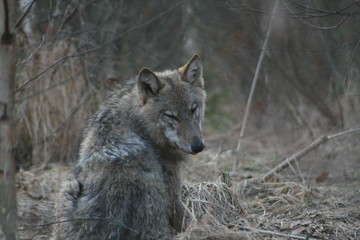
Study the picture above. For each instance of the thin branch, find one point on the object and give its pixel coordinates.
(322, 11)
(151, 20)
(101, 46)
(288, 161)
(37, 93)
(32, 54)
(351, 61)
(24, 15)
(42, 72)
(278, 234)
(325, 28)
(343, 133)
(60, 127)
(60, 60)
(256, 76)
(328, 13)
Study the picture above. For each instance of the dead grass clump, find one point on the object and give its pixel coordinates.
(213, 199)
(285, 210)
(36, 193)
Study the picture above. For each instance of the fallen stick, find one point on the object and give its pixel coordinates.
(279, 234)
(288, 161)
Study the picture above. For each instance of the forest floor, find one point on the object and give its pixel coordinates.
(317, 197)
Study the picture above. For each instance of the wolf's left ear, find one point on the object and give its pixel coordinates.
(148, 85)
(192, 72)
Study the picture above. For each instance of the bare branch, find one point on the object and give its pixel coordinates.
(152, 19)
(278, 234)
(256, 76)
(56, 63)
(24, 14)
(61, 60)
(324, 13)
(301, 153)
(351, 61)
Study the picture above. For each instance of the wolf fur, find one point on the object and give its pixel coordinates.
(127, 182)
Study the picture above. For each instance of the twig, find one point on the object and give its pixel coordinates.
(152, 19)
(248, 104)
(351, 61)
(43, 41)
(25, 14)
(321, 27)
(343, 133)
(64, 58)
(42, 72)
(279, 234)
(302, 153)
(60, 60)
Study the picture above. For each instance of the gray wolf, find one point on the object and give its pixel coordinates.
(127, 181)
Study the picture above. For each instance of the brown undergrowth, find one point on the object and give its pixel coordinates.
(224, 208)
(272, 210)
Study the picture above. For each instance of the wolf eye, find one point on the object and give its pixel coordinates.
(194, 108)
(169, 114)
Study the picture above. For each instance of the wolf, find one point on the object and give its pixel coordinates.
(127, 183)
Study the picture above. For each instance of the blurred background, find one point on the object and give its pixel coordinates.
(297, 59)
(72, 52)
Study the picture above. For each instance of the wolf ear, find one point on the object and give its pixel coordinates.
(192, 72)
(148, 85)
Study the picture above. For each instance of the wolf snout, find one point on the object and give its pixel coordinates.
(197, 145)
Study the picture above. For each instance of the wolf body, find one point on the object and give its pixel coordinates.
(127, 182)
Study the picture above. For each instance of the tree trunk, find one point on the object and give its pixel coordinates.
(8, 206)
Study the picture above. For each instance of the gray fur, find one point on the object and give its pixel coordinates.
(127, 182)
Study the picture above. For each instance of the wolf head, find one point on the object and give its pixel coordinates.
(174, 103)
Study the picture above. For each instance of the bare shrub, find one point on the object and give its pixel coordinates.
(52, 111)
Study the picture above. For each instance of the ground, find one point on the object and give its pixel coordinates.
(317, 197)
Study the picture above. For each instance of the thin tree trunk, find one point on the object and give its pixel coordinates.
(256, 76)
(8, 206)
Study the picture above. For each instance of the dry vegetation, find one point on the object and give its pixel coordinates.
(62, 77)
(299, 203)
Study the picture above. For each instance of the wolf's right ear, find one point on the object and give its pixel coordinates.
(192, 72)
(148, 85)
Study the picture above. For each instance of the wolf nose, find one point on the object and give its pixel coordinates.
(197, 145)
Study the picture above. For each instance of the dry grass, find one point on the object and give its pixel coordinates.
(225, 207)
(279, 210)
(306, 201)
(53, 107)
(37, 193)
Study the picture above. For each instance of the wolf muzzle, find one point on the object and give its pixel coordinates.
(197, 145)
